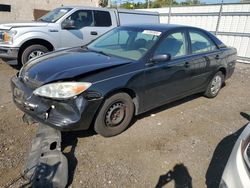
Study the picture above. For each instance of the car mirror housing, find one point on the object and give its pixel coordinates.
(68, 24)
(160, 58)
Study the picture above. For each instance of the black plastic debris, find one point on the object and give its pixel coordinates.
(28, 119)
(46, 166)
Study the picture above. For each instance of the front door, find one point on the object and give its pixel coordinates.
(170, 79)
(87, 26)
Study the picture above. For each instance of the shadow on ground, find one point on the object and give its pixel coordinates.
(70, 140)
(164, 107)
(12, 63)
(179, 175)
(221, 155)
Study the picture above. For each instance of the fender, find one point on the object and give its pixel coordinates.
(49, 37)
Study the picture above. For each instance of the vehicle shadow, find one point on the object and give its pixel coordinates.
(164, 107)
(179, 175)
(12, 63)
(245, 115)
(69, 144)
(221, 155)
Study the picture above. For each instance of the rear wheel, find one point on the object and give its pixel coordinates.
(32, 51)
(115, 115)
(215, 85)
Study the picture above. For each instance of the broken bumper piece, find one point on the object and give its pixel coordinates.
(46, 166)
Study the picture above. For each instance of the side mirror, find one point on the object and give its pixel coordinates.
(160, 58)
(68, 24)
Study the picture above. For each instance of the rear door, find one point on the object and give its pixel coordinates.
(168, 80)
(204, 57)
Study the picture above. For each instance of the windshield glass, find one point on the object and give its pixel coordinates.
(54, 15)
(130, 43)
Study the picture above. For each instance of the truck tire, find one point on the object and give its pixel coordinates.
(215, 85)
(32, 52)
(115, 115)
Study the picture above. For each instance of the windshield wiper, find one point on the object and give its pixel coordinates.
(97, 51)
(101, 52)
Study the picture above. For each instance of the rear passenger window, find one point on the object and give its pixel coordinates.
(200, 42)
(102, 18)
(174, 44)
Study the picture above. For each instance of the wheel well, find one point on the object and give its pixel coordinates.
(223, 70)
(131, 93)
(35, 41)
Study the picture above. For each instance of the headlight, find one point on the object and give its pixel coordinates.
(63, 90)
(6, 37)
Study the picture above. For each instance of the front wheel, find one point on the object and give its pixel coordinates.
(32, 51)
(215, 85)
(115, 115)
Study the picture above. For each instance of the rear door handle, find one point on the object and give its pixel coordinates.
(187, 65)
(93, 33)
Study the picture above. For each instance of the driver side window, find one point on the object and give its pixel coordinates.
(82, 18)
(174, 44)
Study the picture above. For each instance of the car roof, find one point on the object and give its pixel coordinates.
(159, 27)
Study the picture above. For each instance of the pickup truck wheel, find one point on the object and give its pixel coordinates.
(115, 115)
(33, 51)
(215, 85)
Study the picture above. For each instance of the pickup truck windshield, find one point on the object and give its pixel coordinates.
(54, 15)
(130, 43)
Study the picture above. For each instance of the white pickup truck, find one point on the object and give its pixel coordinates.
(62, 28)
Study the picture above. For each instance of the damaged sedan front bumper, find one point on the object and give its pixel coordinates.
(66, 115)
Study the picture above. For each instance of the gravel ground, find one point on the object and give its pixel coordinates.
(186, 142)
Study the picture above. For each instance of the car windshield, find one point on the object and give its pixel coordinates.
(126, 42)
(54, 15)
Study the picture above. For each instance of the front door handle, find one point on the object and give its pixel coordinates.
(187, 64)
(217, 57)
(93, 33)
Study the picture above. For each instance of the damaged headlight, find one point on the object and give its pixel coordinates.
(6, 37)
(62, 90)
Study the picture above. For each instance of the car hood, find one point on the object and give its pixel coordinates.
(8, 26)
(67, 64)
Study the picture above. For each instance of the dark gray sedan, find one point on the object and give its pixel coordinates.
(125, 72)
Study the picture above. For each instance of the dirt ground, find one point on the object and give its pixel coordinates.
(184, 143)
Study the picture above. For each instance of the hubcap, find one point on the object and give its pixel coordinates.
(35, 54)
(115, 114)
(216, 85)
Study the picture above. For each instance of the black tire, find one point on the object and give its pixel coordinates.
(107, 122)
(25, 56)
(211, 91)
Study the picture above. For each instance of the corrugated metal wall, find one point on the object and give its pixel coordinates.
(230, 22)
